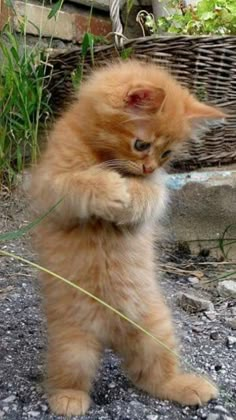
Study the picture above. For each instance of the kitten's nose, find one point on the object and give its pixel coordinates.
(148, 169)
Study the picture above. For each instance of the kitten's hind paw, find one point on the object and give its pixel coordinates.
(69, 402)
(189, 389)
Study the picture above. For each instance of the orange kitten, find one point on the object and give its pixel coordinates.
(104, 157)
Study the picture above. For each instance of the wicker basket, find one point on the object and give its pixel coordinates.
(205, 64)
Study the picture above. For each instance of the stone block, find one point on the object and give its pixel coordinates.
(98, 26)
(104, 4)
(203, 205)
(37, 21)
(97, 4)
(70, 25)
(5, 13)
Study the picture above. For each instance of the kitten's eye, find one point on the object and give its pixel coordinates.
(141, 146)
(166, 154)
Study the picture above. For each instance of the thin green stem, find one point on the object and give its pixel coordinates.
(100, 301)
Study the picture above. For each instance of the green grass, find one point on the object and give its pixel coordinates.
(24, 98)
(23, 104)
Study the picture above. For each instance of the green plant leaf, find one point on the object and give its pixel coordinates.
(15, 54)
(126, 53)
(55, 9)
(205, 17)
(9, 3)
(88, 45)
(129, 5)
(77, 76)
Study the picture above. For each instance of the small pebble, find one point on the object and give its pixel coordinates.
(34, 413)
(233, 311)
(193, 303)
(214, 335)
(231, 322)
(210, 315)
(9, 399)
(231, 342)
(227, 288)
(193, 280)
(215, 416)
(6, 408)
(197, 329)
(221, 408)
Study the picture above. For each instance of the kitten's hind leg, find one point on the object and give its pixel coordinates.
(73, 358)
(155, 368)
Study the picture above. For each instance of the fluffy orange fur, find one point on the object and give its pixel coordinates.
(101, 235)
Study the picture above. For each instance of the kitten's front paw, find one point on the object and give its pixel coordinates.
(190, 389)
(69, 402)
(116, 199)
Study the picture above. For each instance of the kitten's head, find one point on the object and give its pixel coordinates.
(135, 116)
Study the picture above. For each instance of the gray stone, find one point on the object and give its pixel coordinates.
(6, 408)
(233, 311)
(218, 416)
(221, 408)
(227, 288)
(193, 303)
(231, 322)
(213, 416)
(214, 335)
(210, 315)
(193, 280)
(203, 203)
(9, 399)
(231, 342)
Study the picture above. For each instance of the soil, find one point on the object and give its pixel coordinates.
(208, 344)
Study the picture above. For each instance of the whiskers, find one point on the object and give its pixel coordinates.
(123, 166)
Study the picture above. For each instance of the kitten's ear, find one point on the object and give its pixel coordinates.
(195, 110)
(145, 98)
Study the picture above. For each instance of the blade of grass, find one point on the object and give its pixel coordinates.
(55, 9)
(88, 44)
(100, 301)
(225, 276)
(222, 240)
(85, 292)
(21, 232)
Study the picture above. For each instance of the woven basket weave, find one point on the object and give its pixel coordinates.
(204, 64)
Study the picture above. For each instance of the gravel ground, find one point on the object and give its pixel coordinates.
(208, 345)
